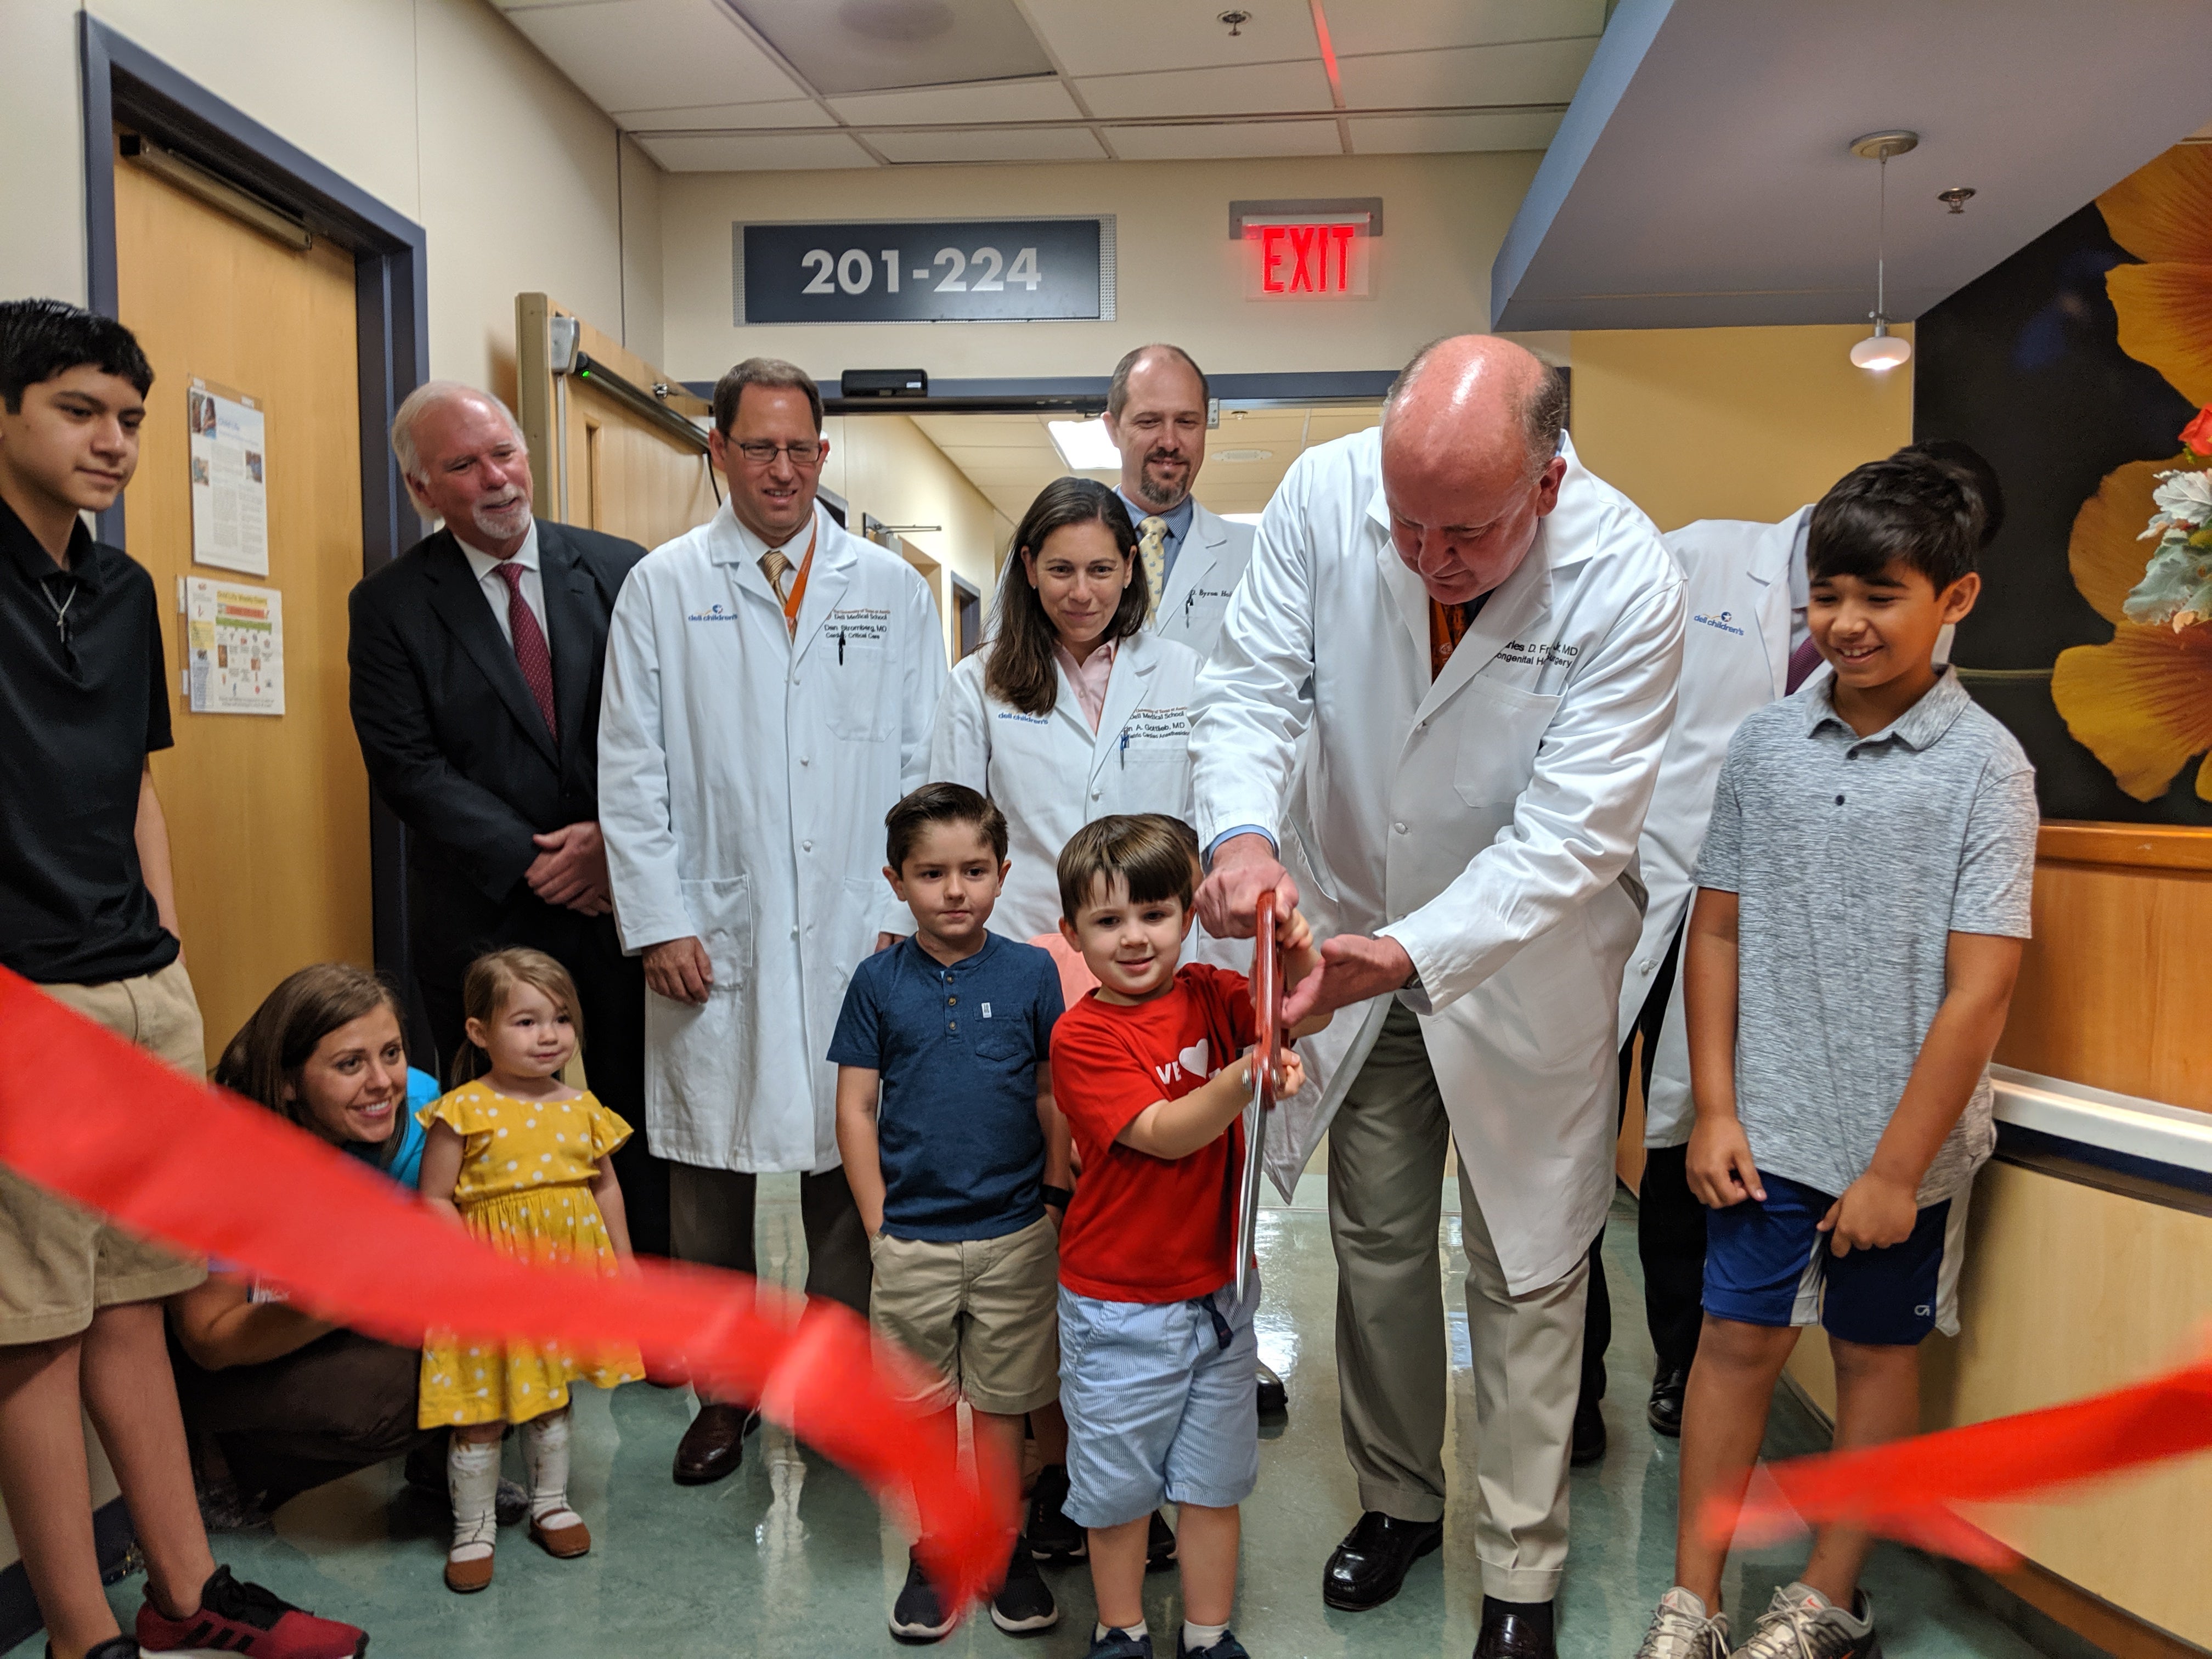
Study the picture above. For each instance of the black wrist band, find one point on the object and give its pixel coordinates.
(1062, 1196)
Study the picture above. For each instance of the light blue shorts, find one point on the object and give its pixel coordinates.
(1160, 1403)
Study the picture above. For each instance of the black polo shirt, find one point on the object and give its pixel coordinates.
(83, 700)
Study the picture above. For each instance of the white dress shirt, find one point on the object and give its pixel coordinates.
(495, 585)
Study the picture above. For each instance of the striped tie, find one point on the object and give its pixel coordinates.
(776, 565)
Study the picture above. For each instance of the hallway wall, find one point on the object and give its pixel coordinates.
(437, 108)
(1178, 275)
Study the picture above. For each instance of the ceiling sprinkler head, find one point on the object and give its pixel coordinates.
(1956, 198)
(1236, 21)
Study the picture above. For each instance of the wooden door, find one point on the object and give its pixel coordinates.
(268, 814)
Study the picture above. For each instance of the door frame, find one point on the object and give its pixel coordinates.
(124, 82)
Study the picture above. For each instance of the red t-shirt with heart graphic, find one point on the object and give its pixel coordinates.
(1146, 1229)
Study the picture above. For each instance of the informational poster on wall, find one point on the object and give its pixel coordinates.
(234, 647)
(230, 486)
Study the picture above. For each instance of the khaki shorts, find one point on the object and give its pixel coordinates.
(58, 1263)
(983, 1313)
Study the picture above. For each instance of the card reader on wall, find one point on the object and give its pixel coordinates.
(883, 383)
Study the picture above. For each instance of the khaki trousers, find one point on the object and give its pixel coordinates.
(1386, 1166)
(58, 1263)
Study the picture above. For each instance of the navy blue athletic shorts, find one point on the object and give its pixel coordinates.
(1767, 1264)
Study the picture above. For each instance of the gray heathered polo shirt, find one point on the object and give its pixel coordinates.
(1853, 860)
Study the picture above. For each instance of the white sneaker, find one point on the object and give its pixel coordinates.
(1801, 1623)
(1682, 1629)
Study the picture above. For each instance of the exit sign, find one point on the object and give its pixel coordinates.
(1317, 260)
(1310, 249)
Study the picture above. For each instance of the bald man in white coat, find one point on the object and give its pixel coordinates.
(1477, 643)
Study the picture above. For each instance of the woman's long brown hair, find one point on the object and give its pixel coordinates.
(1019, 668)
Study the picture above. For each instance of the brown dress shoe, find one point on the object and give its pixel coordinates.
(562, 1542)
(713, 1445)
(467, 1577)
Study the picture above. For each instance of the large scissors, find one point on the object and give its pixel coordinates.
(1267, 1056)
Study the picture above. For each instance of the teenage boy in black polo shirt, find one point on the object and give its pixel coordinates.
(88, 913)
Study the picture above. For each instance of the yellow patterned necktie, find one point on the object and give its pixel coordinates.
(1152, 536)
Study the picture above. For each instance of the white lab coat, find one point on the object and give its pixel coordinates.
(1208, 566)
(1051, 775)
(743, 777)
(1488, 821)
(1735, 658)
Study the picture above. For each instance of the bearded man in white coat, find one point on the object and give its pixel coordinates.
(771, 683)
(1156, 407)
(1476, 642)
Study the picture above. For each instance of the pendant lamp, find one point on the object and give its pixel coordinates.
(1882, 350)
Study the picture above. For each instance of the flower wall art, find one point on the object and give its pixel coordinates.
(2082, 367)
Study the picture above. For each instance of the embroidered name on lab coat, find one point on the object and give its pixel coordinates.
(1725, 622)
(1158, 725)
(712, 613)
(1538, 653)
(859, 626)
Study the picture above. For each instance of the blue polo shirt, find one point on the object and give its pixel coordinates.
(959, 1049)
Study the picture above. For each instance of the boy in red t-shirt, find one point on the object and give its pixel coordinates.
(1157, 1354)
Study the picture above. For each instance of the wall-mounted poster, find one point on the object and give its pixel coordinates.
(234, 647)
(2075, 367)
(230, 487)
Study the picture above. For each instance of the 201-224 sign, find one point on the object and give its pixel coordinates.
(937, 270)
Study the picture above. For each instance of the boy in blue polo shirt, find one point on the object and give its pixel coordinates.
(1862, 901)
(953, 1149)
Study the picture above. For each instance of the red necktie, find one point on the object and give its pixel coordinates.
(1802, 661)
(530, 653)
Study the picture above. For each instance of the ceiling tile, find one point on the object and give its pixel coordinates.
(1544, 72)
(1042, 100)
(871, 45)
(766, 153)
(1410, 135)
(1210, 92)
(638, 54)
(1356, 26)
(991, 144)
(776, 112)
(1205, 143)
(1130, 35)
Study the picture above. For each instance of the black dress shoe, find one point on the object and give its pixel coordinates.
(1274, 1396)
(1665, 1412)
(715, 1444)
(1588, 1444)
(1515, 1630)
(1367, 1569)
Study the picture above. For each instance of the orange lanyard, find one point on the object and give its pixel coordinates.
(799, 588)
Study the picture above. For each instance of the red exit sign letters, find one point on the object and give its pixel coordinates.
(1318, 259)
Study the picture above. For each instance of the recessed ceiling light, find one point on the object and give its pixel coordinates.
(1083, 446)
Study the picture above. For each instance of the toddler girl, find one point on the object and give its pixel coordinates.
(521, 1160)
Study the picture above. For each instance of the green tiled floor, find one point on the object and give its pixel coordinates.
(789, 1558)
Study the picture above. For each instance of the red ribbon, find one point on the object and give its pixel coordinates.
(88, 1116)
(1904, 1490)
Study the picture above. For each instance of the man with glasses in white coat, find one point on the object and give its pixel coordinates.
(1476, 642)
(771, 684)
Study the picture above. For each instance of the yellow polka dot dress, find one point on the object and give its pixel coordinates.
(525, 1189)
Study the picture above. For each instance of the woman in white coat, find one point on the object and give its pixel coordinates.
(1072, 711)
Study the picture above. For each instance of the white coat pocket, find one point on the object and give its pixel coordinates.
(695, 1054)
(1501, 727)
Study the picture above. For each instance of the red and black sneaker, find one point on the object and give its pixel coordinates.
(235, 1618)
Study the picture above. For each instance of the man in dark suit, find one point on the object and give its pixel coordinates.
(477, 657)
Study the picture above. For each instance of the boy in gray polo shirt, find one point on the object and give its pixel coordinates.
(1864, 900)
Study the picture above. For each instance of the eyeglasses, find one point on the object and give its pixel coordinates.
(804, 452)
